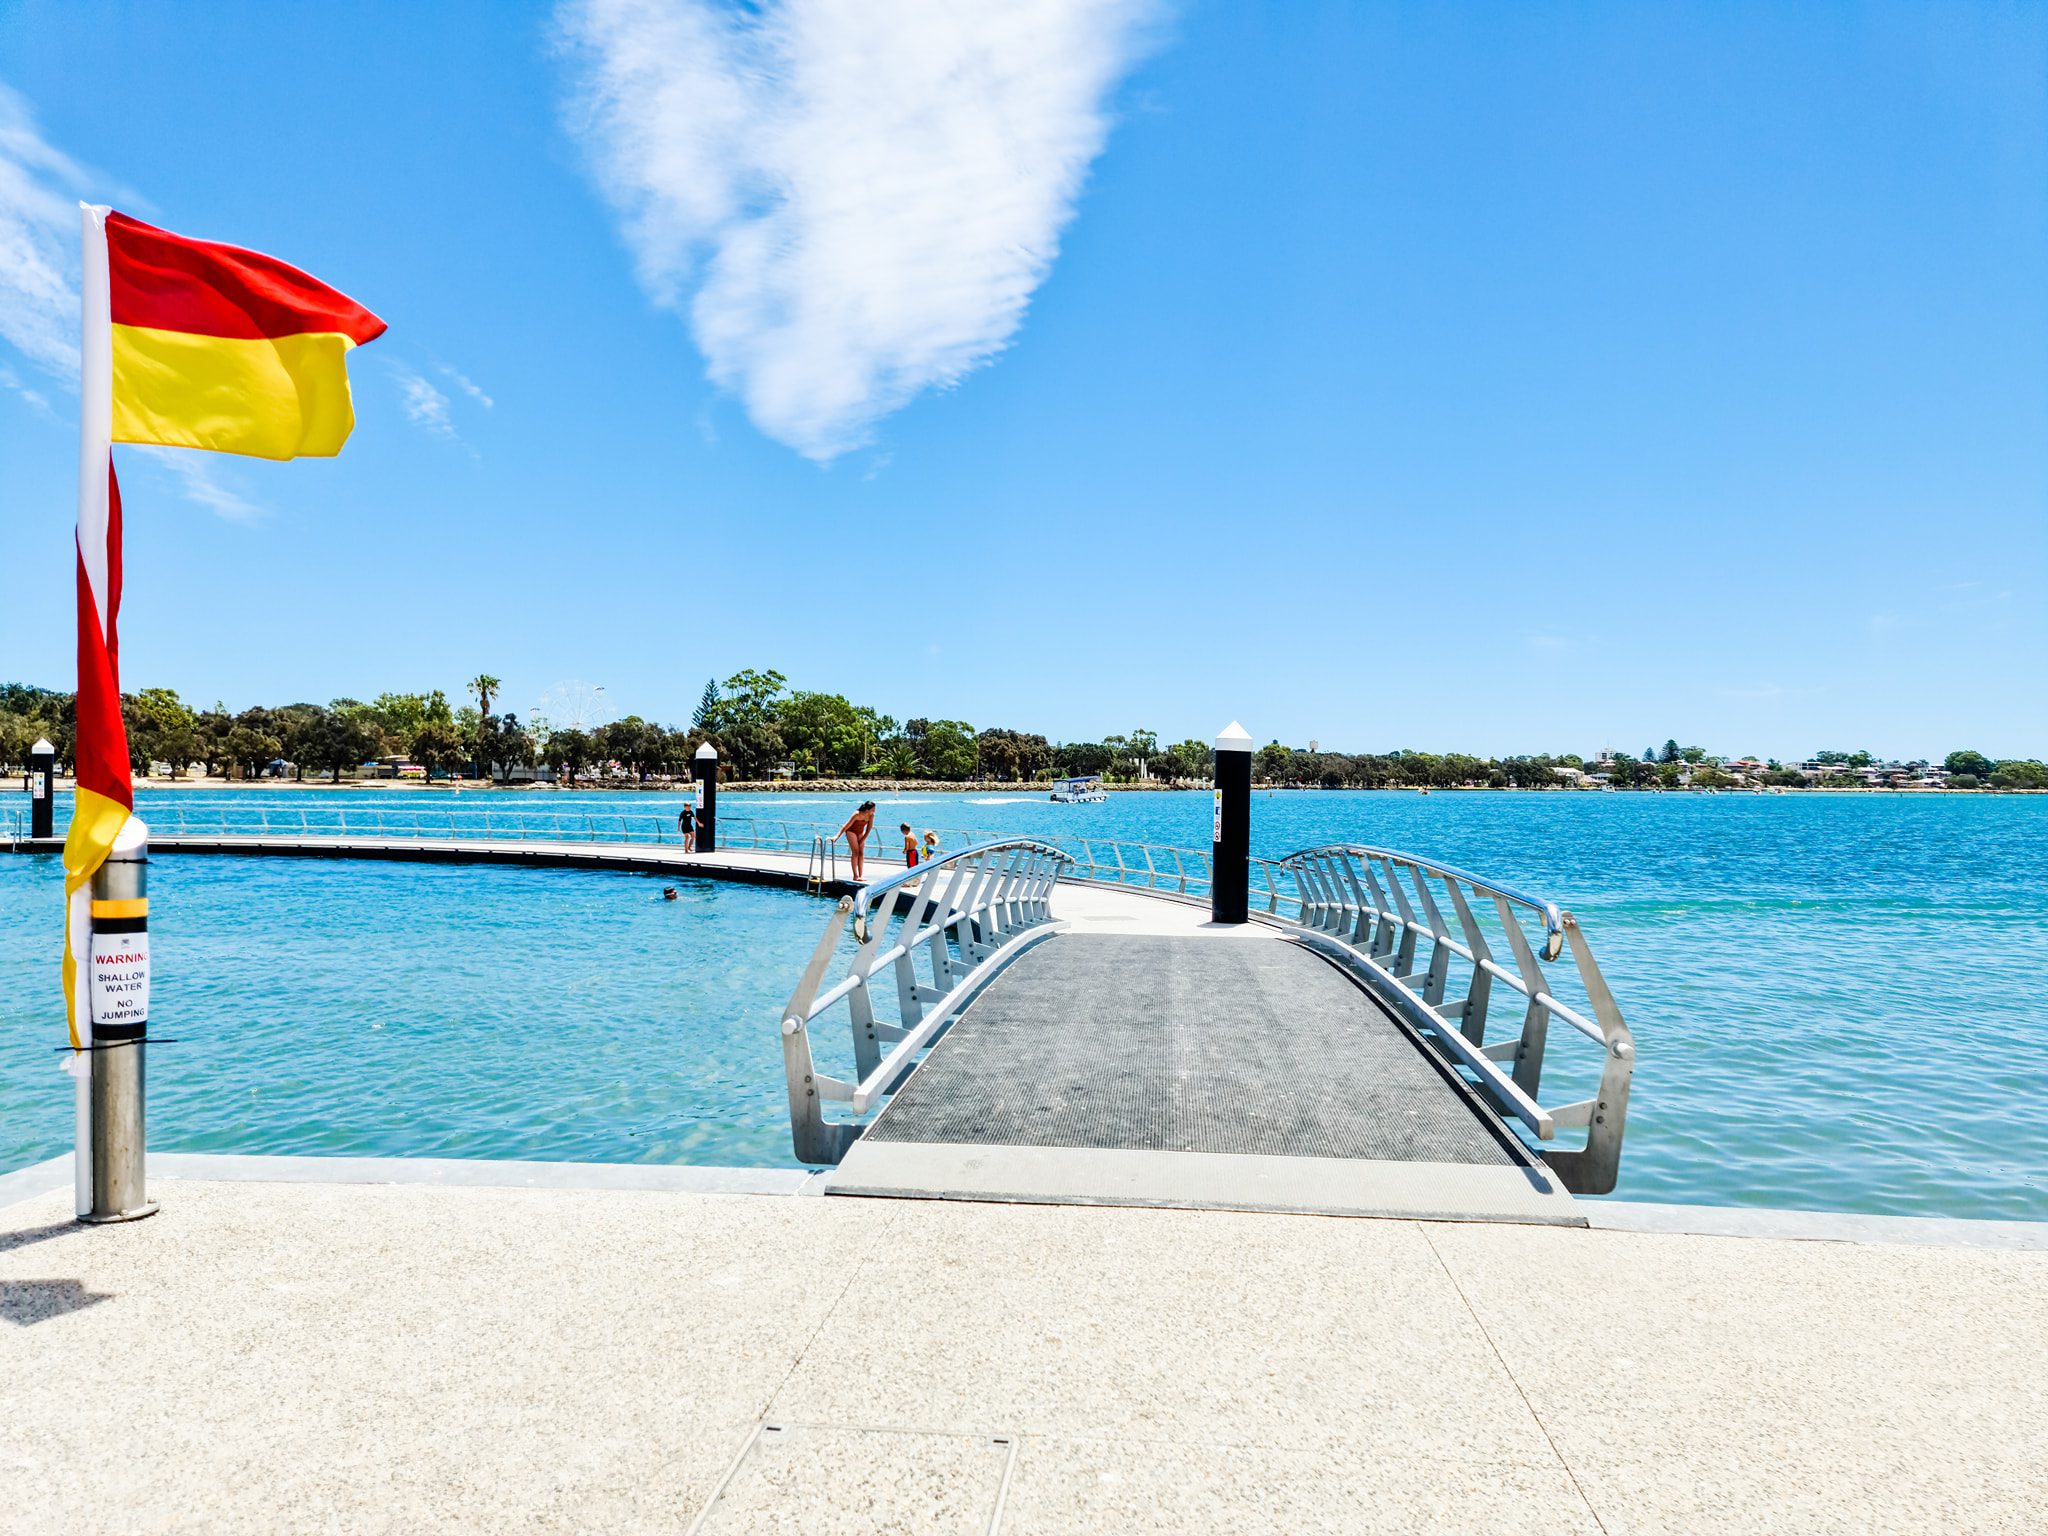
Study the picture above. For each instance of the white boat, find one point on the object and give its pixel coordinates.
(1085, 790)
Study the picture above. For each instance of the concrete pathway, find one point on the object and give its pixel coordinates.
(286, 1357)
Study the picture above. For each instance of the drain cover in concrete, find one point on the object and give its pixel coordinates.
(829, 1480)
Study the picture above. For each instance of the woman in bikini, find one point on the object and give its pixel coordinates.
(856, 830)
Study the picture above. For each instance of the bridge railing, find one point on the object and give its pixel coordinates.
(1439, 944)
(925, 942)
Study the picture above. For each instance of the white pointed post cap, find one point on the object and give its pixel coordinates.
(132, 840)
(42, 745)
(707, 752)
(1235, 738)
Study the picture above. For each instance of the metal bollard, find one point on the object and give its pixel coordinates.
(1230, 844)
(705, 764)
(119, 992)
(42, 789)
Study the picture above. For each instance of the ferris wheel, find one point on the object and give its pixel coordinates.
(575, 706)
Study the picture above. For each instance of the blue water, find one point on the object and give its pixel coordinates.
(1836, 999)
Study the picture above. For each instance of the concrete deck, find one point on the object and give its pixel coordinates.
(281, 1357)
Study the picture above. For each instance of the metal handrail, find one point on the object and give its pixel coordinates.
(945, 929)
(1373, 908)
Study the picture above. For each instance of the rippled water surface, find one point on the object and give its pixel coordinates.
(1837, 999)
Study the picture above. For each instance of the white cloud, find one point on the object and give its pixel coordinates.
(853, 202)
(1761, 693)
(425, 406)
(39, 191)
(35, 398)
(200, 481)
(38, 243)
(468, 386)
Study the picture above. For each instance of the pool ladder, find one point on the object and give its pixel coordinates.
(822, 868)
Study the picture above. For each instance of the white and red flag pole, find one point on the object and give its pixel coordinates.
(104, 792)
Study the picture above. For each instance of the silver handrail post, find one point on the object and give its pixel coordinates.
(1595, 1170)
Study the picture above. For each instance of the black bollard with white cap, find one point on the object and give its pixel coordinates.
(42, 789)
(706, 765)
(1231, 836)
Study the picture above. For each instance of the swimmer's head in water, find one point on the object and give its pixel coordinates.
(668, 893)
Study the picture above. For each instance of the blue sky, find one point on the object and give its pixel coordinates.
(1500, 378)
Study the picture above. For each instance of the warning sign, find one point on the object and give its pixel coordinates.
(1216, 836)
(120, 978)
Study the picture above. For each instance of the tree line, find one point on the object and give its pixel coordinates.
(762, 727)
(759, 725)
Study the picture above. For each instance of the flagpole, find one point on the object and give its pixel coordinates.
(95, 467)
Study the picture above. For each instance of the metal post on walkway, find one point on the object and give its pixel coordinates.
(706, 764)
(42, 789)
(1230, 844)
(118, 994)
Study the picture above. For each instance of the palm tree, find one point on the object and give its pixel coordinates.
(485, 688)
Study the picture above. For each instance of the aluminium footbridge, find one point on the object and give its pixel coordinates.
(1024, 1029)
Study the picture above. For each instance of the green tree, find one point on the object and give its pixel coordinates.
(1078, 758)
(828, 728)
(297, 727)
(18, 733)
(510, 745)
(439, 747)
(568, 753)
(749, 698)
(1013, 755)
(749, 750)
(2020, 773)
(707, 706)
(1976, 764)
(214, 727)
(402, 716)
(248, 749)
(1670, 752)
(342, 736)
(484, 689)
(948, 750)
(161, 729)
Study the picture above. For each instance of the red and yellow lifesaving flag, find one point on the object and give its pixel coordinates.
(186, 344)
(215, 347)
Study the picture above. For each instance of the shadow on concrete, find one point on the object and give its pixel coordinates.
(9, 1241)
(23, 1302)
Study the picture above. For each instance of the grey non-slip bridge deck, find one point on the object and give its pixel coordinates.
(1194, 1070)
(1020, 1037)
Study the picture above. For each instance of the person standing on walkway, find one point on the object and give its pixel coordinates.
(686, 824)
(909, 847)
(856, 830)
(931, 846)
